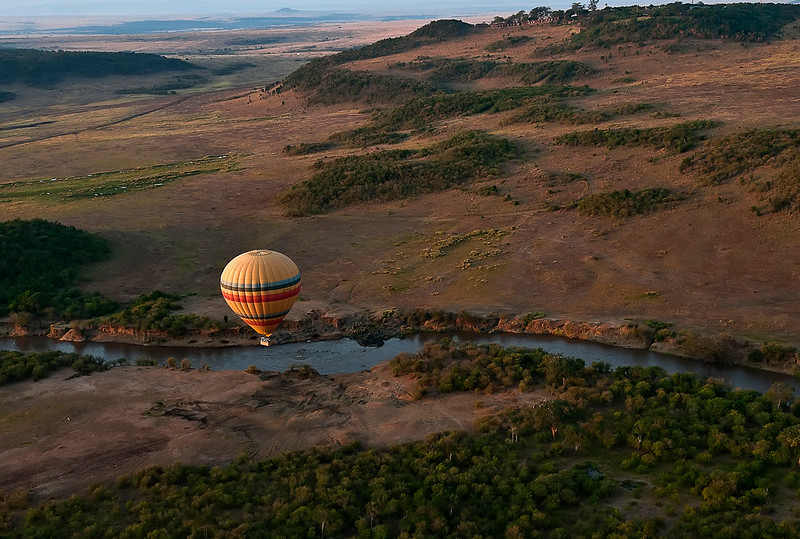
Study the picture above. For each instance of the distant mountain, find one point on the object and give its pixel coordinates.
(290, 11)
(282, 18)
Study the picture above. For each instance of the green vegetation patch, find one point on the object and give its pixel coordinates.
(621, 204)
(46, 68)
(418, 113)
(672, 455)
(745, 152)
(19, 366)
(330, 85)
(547, 109)
(114, 182)
(154, 312)
(555, 71)
(736, 154)
(461, 69)
(636, 24)
(680, 137)
(40, 266)
(394, 174)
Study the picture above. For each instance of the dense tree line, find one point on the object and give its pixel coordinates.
(671, 455)
(46, 68)
(40, 263)
(395, 174)
(680, 137)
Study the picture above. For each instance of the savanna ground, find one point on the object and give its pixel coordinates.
(708, 263)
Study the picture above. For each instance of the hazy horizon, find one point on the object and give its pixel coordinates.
(159, 8)
(153, 8)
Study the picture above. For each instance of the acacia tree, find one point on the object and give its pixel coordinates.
(779, 393)
(790, 440)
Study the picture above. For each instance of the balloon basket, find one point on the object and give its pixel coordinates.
(264, 341)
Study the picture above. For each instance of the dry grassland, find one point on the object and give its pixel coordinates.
(709, 262)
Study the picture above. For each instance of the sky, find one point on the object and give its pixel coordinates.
(138, 8)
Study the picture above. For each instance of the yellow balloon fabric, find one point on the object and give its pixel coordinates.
(261, 287)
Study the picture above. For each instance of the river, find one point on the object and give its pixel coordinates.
(346, 355)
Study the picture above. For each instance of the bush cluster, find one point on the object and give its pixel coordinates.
(462, 69)
(331, 85)
(394, 174)
(727, 157)
(418, 113)
(680, 137)
(756, 151)
(621, 204)
(18, 366)
(446, 368)
(154, 311)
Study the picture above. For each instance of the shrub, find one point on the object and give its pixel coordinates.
(679, 138)
(621, 204)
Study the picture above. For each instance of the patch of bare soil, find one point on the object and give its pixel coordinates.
(62, 434)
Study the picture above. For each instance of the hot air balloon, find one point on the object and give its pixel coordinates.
(261, 286)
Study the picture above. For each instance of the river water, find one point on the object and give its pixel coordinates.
(346, 355)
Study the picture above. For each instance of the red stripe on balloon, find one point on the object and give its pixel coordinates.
(260, 298)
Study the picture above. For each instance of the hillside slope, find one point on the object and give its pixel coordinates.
(620, 205)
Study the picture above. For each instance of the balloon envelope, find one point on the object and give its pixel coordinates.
(261, 286)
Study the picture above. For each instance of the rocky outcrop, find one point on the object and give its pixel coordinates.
(73, 335)
(627, 336)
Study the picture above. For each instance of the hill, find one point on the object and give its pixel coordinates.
(620, 201)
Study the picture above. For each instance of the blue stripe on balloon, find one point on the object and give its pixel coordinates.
(259, 287)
